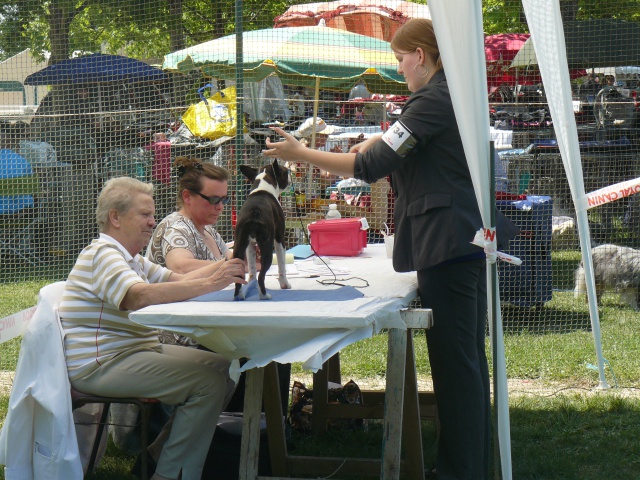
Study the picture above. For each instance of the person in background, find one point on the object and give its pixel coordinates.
(13, 165)
(324, 179)
(436, 217)
(591, 86)
(107, 354)
(160, 148)
(297, 105)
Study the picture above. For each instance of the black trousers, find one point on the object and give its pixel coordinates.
(457, 295)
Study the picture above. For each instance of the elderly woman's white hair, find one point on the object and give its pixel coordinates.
(116, 195)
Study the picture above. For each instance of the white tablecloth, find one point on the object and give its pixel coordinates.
(303, 330)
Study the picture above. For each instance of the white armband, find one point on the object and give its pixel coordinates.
(400, 139)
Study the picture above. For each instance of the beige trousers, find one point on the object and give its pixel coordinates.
(195, 381)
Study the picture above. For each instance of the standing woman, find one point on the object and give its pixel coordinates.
(436, 217)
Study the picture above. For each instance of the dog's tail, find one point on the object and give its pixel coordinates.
(580, 282)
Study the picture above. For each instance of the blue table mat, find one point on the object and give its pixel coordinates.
(340, 294)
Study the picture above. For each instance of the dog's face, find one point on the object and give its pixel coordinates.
(274, 174)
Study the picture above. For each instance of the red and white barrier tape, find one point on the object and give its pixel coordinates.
(486, 238)
(15, 325)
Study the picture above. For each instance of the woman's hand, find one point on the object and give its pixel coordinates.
(366, 145)
(289, 149)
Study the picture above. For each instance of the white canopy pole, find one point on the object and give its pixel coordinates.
(547, 35)
(458, 27)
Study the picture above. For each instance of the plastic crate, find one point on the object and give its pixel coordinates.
(529, 284)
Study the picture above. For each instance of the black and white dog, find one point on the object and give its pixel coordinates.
(261, 221)
(616, 268)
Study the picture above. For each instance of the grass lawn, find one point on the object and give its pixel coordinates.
(562, 426)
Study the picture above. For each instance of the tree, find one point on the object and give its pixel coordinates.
(137, 28)
(507, 16)
(11, 29)
(149, 29)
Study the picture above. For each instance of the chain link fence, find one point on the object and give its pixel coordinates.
(63, 135)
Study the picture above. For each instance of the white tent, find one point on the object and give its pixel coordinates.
(17, 100)
(547, 34)
(458, 28)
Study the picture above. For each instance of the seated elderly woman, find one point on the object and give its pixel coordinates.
(108, 354)
(186, 239)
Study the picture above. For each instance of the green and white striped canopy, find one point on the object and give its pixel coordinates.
(299, 56)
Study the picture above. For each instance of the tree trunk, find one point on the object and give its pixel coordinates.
(176, 30)
(568, 10)
(59, 23)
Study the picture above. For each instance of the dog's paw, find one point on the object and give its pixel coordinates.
(239, 297)
(265, 296)
(284, 283)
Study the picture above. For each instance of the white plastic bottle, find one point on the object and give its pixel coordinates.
(333, 212)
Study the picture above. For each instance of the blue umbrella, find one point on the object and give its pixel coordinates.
(95, 68)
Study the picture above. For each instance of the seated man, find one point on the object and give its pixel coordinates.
(107, 354)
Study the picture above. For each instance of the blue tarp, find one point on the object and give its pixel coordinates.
(14, 165)
(95, 68)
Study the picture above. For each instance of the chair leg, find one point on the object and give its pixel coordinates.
(98, 439)
(145, 413)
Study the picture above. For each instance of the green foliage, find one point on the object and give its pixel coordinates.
(503, 16)
(140, 28)
(153, 28)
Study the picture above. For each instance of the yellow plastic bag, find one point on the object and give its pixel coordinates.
(214, 117)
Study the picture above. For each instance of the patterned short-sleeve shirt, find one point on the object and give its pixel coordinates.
(177, 231)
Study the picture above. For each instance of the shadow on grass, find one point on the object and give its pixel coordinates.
(362, 443)
(581, 438)
(568, 437)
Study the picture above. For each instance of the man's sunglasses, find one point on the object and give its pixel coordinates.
(214, 199)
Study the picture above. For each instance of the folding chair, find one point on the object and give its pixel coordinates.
(78, 399)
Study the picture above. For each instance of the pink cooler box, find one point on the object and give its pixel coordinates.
(344, 237)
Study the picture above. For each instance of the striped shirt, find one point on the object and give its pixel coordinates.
(95, 328)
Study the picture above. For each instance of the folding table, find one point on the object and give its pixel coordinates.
(311, 323)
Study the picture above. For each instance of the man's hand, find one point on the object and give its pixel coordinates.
(231, 271)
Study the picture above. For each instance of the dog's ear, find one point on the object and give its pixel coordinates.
(249, 172)
(282, 174)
